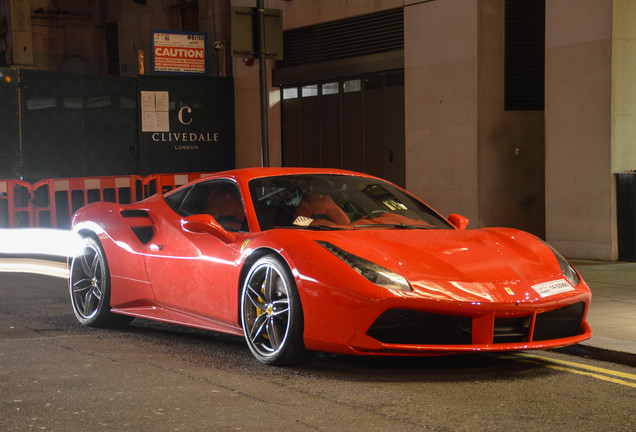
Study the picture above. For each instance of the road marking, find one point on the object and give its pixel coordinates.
(609, 375)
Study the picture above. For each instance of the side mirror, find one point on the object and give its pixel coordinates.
(206, 224)
(459, 221)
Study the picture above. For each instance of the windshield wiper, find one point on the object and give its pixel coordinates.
(315, 227)
(401, 226)
(323, 227)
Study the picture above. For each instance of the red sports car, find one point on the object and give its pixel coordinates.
(300, 260)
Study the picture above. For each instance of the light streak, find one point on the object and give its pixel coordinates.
(47, 268)
(38, 250)
(40, 241)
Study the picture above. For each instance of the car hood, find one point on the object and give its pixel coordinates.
(474, 265)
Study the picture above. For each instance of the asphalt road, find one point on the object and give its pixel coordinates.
(56, 375)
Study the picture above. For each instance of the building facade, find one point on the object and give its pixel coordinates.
(450, 98)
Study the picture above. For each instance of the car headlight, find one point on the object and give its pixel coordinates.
(566, 268)
(372, 272)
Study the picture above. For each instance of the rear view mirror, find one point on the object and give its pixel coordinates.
(206, 224)
(459, 221)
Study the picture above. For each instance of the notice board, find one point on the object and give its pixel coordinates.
(179, 52)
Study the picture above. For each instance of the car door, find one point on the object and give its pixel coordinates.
(196, 272)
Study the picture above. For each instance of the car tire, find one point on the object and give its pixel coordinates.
(272, 315)
(89, 287)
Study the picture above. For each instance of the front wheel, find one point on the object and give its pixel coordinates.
(89, 286)
(272, 315)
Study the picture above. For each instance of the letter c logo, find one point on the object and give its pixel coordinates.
(180, 115)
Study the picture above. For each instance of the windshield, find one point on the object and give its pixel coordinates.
(324, 201)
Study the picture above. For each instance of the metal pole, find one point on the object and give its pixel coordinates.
(21, 123)
(262, 70)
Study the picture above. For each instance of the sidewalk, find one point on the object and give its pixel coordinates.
(612, 314)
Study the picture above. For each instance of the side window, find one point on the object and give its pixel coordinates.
(175, 200)
(220, 199)
(196, 199)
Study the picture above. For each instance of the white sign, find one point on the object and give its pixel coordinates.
(551, 288)
(155, 106)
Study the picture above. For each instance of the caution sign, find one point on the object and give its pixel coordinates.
(179, 52)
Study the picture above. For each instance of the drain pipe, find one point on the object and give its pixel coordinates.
(262, 70)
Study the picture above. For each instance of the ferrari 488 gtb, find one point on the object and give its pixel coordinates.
(301, 260)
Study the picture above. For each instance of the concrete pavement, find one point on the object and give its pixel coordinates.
(612, 314)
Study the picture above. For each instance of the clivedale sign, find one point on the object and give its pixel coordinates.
(185, 140)
(155, 118)
(186, 124)
(192, 138)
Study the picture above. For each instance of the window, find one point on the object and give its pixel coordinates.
(310, 90)
(348, 202)
(352, 86)
(290, 93)
(218, 198)
(330, 88)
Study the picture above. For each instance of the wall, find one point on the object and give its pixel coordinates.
(580, 207)
(247, 116)
(64, 34)
(511, 143)
(135, 22)
(623, 88)
(19, 38)
(441, 81)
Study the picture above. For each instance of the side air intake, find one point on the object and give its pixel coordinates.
(140, 223)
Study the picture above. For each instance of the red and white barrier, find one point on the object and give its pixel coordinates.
(50, 203)
(16, 205)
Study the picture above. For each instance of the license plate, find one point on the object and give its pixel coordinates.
(551, 288)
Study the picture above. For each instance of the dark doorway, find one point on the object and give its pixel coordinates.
(354, 123)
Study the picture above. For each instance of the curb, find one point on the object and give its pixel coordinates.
(604, 349)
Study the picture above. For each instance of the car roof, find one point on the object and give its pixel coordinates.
(244, 175)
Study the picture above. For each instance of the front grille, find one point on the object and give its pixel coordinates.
(559, 323)
(509, 330)
(402, 326)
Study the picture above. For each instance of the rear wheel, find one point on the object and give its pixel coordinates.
(89, 286)
(272, 315)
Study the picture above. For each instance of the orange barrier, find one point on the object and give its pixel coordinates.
(166, 182)
(16, 206)
(57, 199)
(50, 203)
